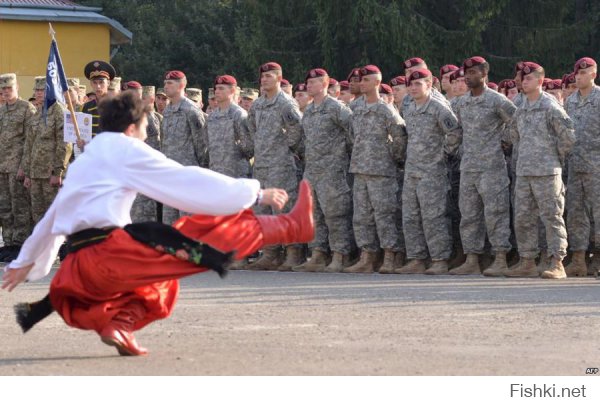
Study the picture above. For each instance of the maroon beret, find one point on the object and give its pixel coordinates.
(492, 86)
(369, 70)
(519, 67)
(510, 84)
(316, 73)
(175, 75)
(554, 84)
(418, 74)
(546, 82)
(583, 63)
(398, 81)
(457, 74)
(409, 63)
(447, 69)
(344, 85)
(133, 85)
(435, 80)
(502, 84)
(270, 66)
(285, 82)
(225, 80)
(385, 89)
(473, 61)
(354, 73)
(333, 82)
(529, 67)
(569, 78)
(300, 87)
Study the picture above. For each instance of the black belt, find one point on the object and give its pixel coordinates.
(87, 237)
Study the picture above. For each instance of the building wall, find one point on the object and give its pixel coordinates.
(24, 48)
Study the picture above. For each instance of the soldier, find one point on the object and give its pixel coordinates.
(114, 87)
(511, 90)
(195, 95)
(399, 90)
(73, 84)
(274, 124)
(386, 93)
(334, 88)
(379, 133)
(99, 73)
(346, 96)
(286, 86)
(555, 89)
(182, 131)
(45, 156)
(248, 97)
(326, 123)
(302, 97)
(162, 101)
(459, 87)
(583, 190)
(569, 85)
(432, 128)
(81, 89)
(545, 135)
(135, 87)
(493, 86)
(212, 102)
(484, 195)
(445, 72)
(39, 92)
(154, 118)
(16, 119)
(354, 84)
(411, 65)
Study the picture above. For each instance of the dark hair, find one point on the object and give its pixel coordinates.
(119, 112)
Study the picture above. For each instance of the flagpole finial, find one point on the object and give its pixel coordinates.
(51, 30)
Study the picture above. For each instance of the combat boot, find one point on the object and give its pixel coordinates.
(238, 265)
(366, 264)
(269, 261)
(438, 267)
(526, 268)
(470, 267)
(544, 262)
(316, 263)
(498, 267)
(414, 266)
(389, 261)
(594, 265)
(577, 267)
(294, 256)
(555, 270)
(338, 262)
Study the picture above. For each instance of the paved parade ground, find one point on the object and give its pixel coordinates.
(272, 323)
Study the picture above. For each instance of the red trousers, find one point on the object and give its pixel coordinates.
(122, 275)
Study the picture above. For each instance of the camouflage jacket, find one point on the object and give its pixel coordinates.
(229, 143)
(15, 122)
(379, 137)
(585, 114)
(153, 130)
(483, 120)
(435, 94)
(432, 128)
(182, 133)
(276, 132)
(326, 130)
(545, 135)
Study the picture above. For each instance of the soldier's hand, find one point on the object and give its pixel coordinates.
(13, 276)
(276, 198)
(81, 144)
(27, 182)
(55, 181)
(20, 174)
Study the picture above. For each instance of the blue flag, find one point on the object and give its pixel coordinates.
(56, 81)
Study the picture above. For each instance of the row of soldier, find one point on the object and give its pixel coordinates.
(382, 160)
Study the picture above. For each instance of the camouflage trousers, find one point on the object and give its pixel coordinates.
(282, 177)
(375, 204)
(332, 212)
(583, 205)
(424, 216)
(143, 209)
(170, 215)
(15, 213)
(399, 226)
(484, 201)
(41, 194)
(543, 197)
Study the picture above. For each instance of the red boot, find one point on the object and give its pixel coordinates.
(297, 226)
(123, 340)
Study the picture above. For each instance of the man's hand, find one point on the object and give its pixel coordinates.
(55, 181)
(276, 198)
(20, 174)
(13, 276)
(81, 144)
(27, 182)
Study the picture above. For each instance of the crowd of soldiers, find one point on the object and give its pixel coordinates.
(418, 176)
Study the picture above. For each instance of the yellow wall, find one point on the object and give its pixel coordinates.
(24, 48)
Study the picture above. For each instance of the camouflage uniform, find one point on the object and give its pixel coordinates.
(484, 184)
(431, 128)
(15, 122)
(144, 208)
(229, 144)
(544, 133)
(46, 154)
(326, 129)
(378, 134)
(583, 191)
(183, 131)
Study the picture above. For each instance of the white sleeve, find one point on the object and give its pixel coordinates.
(187, 188)
(40, 248)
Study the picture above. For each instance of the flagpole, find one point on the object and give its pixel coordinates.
(69, 102)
